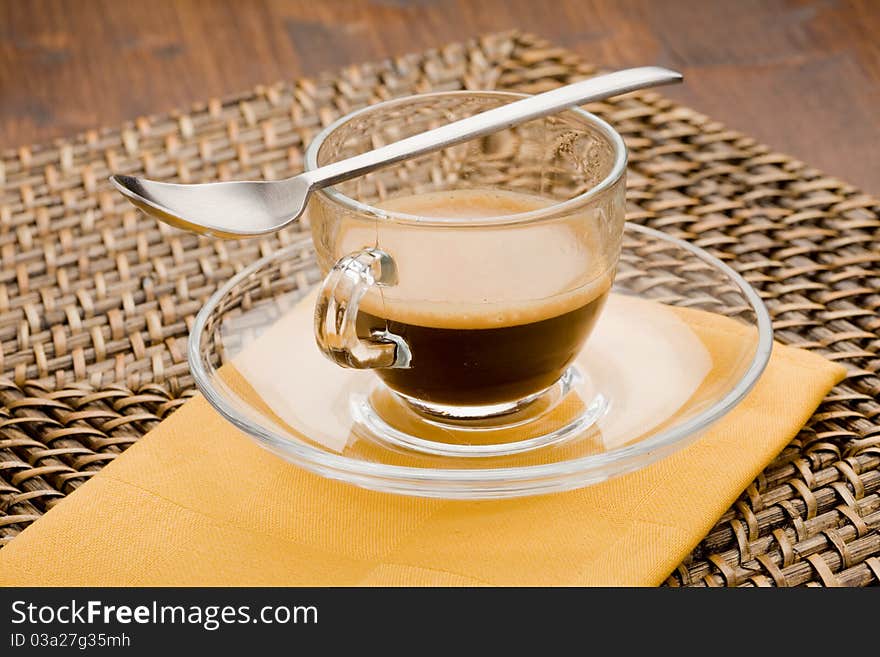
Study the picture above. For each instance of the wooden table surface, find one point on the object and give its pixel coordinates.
(800, 75)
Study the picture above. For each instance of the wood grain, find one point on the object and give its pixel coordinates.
(801, 75)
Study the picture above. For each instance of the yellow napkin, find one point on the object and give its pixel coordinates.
(196, 502)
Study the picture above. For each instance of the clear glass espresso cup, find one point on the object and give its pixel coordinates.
(468, 279)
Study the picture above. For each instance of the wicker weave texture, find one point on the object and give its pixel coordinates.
(96, 299)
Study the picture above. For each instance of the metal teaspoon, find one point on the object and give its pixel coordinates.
(249, 208)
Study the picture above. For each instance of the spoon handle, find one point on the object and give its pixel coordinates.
(499, 118)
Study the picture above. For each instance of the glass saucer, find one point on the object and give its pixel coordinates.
(681, 341)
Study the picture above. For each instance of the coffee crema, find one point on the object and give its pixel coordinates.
(491, 316)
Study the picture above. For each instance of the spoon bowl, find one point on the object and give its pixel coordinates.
(229, 210)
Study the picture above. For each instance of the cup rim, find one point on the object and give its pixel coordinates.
(616, 172)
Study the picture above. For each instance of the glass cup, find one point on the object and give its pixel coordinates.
(468, 279)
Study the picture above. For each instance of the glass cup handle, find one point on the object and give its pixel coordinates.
(337, 308)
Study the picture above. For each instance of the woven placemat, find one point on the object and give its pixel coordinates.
(96, 299)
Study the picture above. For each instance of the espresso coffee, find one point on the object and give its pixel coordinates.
(465, 366)
(491, 316)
